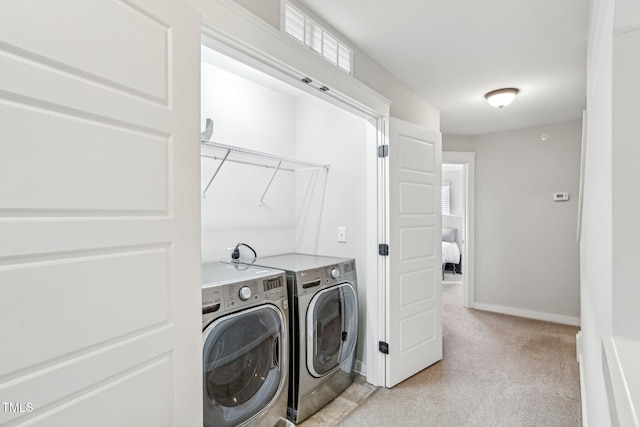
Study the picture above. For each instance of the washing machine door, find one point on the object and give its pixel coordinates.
(242, 369)
(332, 329)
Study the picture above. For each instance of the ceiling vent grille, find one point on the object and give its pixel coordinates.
(306, 31)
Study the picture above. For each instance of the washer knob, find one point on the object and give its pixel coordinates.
(335, 273)
(245, 293)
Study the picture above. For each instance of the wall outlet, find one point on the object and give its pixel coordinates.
(342, 234)
(229, 252)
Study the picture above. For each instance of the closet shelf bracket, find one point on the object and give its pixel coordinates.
(269, 184)
(224, 159)
(230, 153)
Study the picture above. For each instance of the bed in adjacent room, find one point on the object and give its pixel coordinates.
(451, 257)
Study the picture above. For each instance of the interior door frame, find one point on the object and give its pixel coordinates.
(350, 95)
(377, 296)
(468, 159)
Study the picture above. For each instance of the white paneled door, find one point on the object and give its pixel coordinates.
(99, 213)
(414, 288)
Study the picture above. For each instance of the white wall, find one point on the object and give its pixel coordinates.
(626, 180)
(326, 201)
(405, 105)
(252, 116)
(267, 10)
(610, 231)
(525, 246)
(596, 239)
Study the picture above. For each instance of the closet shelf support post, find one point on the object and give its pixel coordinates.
(204, 193)
(269, 184)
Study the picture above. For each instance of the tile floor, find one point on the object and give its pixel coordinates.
(341, 406)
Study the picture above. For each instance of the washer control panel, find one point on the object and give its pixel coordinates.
(212, 299)
(251, 291)
(245, 293)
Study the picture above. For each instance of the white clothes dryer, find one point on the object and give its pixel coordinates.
(245, 346)
(324, 328)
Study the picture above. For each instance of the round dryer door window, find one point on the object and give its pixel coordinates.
(242, 372)
(332, 329)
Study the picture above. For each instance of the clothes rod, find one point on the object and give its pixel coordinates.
(229, 153)
(239, 155)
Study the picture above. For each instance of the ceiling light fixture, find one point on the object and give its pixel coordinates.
(501, 97)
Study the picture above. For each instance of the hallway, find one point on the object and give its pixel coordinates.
(497, 370)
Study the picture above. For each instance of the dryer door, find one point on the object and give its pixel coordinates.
(332, 329)
(242, 364)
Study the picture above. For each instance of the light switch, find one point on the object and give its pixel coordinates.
(342, 234)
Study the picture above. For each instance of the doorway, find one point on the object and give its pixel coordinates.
(240, 37)
(459, 171)
(453, 221)
(290, 211)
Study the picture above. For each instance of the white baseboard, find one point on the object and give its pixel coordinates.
(583, 391)
(556, 318)
(579, 346)
(361, 368)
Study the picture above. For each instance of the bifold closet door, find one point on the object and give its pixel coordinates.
(414, 301)
(99, 213)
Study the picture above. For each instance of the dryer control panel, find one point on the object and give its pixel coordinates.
(312, 280)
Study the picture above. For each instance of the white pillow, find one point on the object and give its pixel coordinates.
(449, 234)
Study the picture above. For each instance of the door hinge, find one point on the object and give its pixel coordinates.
(383, 347)
(383, 150)
(383, 249)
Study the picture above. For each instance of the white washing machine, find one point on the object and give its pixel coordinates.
(245, 345)
(324, 328)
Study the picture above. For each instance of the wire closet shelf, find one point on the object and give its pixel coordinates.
(229, 153)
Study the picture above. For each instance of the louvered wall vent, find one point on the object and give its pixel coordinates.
(306, 31)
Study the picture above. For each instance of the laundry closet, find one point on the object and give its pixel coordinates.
(279, 210)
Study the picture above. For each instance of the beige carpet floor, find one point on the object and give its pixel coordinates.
(497, 370)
